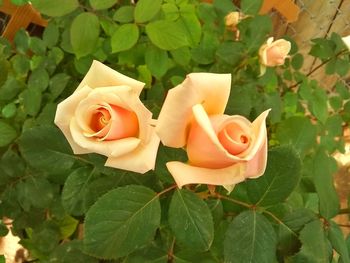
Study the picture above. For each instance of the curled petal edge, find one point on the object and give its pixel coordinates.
(186, 174)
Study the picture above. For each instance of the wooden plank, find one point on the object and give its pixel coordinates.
(287, 8)
(21, 17)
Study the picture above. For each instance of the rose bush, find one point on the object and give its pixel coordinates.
(222, 149)
(105, 115)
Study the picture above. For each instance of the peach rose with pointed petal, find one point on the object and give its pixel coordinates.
(273, 53)
(221, 149)
(105, 115)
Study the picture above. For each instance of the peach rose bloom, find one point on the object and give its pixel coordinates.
(346, 41)
(221, 149)
(105, 115)
(273, 53)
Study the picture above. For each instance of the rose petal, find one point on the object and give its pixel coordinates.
(234, 137)
(203, 147)
(259, 130)
(211, 90)
(257, 165)
(121, 96)
(140, 160)
(100, 75)
(64, 113)
(107, 148)
(186, 174)
(124, 124)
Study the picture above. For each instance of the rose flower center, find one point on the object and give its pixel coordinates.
(114, 122)
(234, 139)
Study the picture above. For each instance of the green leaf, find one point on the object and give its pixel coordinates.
(342, 66)
(157, 61)
(342, 90)
(4, 69)
(230, 52)
(206, 12)
(251, 34)
(336, 102)
(36, 192)
(32, 101)
(319, 105)
(21, 41)
(75, 190)
(297, 61)
(323, 48)
(45, 238)
(171, 11)
(9, 110)
(51, 34)
(2, 257)
(125, 37)
(336, 238)
(166, 34)
(6, 164)
(191, 24)
(216, 208)
(145, 10)
(293, 223)
(84, 33)
(121, 221)
(37, 45)
(57, 84)
(124, 14)
(191, 220)
(21, 64)
(69, 252)
(7, 133)
(67, 226)
(144, 75)
(182, 56)
(251, 7)
(251, 238)
(3, 229)
(39, 79)
(302, 139)
(50, 8)
(315, 247)
(45, 148)
(281, 177)
(334, 126)
(225, 6)
(323, 169)
(102, 4)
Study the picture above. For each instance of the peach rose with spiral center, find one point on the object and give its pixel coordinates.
(105, 116)
(221, 149)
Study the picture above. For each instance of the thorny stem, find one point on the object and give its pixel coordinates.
(220, 196)
(167, 190)
(171, 251)
(318, 67)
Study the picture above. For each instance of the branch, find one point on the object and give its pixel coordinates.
(318, 67)
(220, 196)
